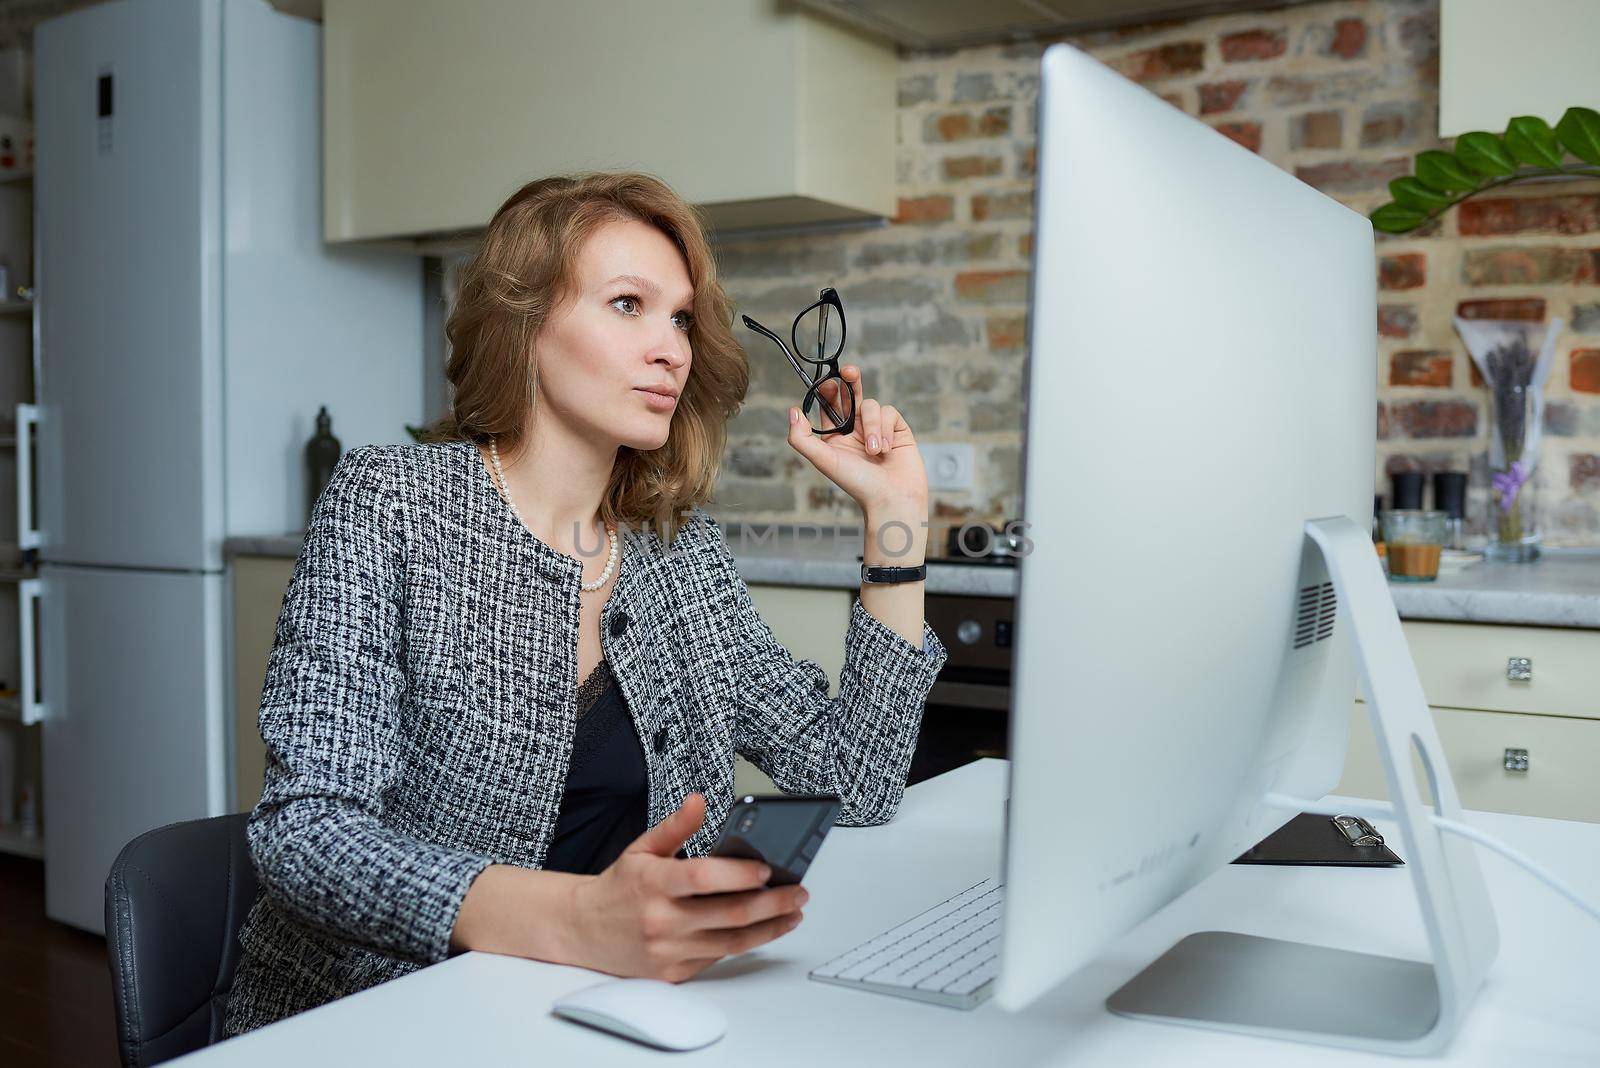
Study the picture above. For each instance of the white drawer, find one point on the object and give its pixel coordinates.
(1463, 665)
(1563, 755)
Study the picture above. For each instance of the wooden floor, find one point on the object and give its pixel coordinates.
(55, 989)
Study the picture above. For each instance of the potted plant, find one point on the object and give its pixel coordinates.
(1531, 149)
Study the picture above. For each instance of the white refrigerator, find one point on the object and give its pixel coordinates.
(190, 321)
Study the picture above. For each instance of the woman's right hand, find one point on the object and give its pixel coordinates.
(653, 915)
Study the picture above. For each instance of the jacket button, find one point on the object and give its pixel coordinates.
(661, 740)
(619, 623)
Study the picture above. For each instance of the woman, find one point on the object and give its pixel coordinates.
(437, 777)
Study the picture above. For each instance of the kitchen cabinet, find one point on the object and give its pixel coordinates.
(810, 623)
(21, 758)
(761, 114)
(1529, 746)
(259, 584)
(1499, 60)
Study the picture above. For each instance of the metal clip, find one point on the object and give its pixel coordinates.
(1357, 831)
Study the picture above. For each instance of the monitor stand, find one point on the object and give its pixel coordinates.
(1282, 989)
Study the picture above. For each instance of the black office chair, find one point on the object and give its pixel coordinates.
(175, 900)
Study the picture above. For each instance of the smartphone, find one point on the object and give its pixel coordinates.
(782, 830)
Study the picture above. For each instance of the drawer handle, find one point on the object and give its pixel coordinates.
(1519, 669)
(1516, 760)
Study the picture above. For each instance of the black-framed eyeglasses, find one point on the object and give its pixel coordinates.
(819, 330)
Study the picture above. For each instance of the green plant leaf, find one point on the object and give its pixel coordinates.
(1484, 153)
(1579, 130)
(1395, 219)
(1442, 171)
(1530, 140)
(1410, 193)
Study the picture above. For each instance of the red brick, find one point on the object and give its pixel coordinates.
(1427, 464)
(1166, 61)
(1383, 422)
(1175, 99)
(1530, 309)
(1476, 375)
(1018, 205)
(1584, 468)
(1538, 265)
(1317, 129)
(1408, 270)
(1006, 333)
(1419, 38)
(1353, 174)
(1247, 134)
(1521, 215)
(1349, 38)
(1396, 320)
(952, 126)
(994, 122)
(1028, 161)
(1253, 45)
(1025, 244)
(995, 287)
(1420, 368)
(1585, 371)
(958, 167)
(925, 209)
(964, 125)
(1392, 123)
(1435, 419)
(1221, 96)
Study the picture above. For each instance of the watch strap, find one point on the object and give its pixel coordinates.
(879, 575)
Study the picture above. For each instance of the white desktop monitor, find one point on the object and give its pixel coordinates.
(1202, 381)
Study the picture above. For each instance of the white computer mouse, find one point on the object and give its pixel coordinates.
(657, 1013)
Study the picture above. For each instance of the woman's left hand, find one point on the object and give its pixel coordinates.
(878, 462)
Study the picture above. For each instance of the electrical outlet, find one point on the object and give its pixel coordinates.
(949, 465)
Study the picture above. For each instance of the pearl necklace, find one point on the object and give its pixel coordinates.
(611, 532)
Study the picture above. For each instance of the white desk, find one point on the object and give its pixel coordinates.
(1539, 1005)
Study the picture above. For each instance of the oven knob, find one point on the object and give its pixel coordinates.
(968, 632)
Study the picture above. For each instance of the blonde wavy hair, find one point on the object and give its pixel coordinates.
(521, 270)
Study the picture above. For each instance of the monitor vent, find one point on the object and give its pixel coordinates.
(1313, 621)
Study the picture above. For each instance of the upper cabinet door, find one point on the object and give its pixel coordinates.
(763, 114)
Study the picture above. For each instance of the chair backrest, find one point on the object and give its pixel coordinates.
(175, 900)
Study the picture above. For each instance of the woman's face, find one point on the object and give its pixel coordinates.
(622, 331)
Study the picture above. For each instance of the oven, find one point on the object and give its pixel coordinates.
(967, 712)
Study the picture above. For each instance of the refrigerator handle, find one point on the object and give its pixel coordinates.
(34, 709)
(27, 523)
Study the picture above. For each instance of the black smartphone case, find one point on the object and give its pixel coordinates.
(1312, 839)
(786, 834)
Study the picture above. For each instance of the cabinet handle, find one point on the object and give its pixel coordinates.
(34, 710)
(1516, 760)
(27, 523)
(1519, 669)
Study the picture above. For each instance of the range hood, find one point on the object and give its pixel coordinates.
(921, 24)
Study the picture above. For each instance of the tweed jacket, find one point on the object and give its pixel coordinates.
(419, 708)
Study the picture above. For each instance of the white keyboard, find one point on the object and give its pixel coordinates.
(948, 955)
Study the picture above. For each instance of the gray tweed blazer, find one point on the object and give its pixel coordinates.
(420, 702)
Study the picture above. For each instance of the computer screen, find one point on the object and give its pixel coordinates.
(1201, 382)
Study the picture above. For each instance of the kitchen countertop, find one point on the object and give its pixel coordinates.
(286, 545)
(1560, 589)
(767, 553)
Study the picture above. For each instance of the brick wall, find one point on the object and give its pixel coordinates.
(1342, 95)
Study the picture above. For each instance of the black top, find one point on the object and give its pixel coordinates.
(605, 806)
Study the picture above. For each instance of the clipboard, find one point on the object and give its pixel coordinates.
(1317, 840)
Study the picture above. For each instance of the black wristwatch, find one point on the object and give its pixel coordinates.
(883, 576)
